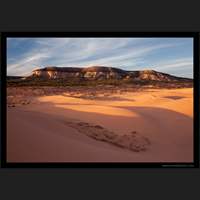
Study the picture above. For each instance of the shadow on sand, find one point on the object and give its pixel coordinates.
(172, 128)
(163, 121)
(174, 97)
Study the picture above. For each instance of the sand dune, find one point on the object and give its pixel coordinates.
(146, 126)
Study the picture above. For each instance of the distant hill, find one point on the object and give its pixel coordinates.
(102, 73)
(98, 75)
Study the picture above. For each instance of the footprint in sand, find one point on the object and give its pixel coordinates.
(132, 141)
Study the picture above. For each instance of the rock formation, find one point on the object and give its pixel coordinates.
(102, 73)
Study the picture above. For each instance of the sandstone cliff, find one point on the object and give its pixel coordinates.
(102, 73)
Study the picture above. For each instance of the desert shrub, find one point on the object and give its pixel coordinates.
(36, 82)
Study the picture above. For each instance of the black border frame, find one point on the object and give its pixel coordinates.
(194, 164)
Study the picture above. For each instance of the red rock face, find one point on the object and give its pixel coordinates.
(102, 73)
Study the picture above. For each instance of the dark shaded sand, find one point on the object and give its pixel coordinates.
(174, 97)
(144, 128)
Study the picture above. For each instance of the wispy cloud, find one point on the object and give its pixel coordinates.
(184, 66)
(178, 63)
(22, 65)
(25, 54)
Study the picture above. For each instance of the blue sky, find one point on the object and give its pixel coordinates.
(168, 55)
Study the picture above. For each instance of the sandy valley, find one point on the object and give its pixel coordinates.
(49, 124)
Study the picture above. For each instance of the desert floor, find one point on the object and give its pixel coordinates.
(151, 125)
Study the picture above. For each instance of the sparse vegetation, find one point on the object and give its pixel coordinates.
(136, 142)
(36, 82)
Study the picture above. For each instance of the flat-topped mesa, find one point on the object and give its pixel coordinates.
(94, 72)
(57, 72)
(102, 73)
